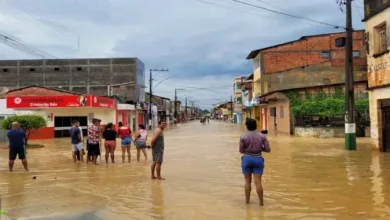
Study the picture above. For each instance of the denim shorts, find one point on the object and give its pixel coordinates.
(252, 165)
(126, 141)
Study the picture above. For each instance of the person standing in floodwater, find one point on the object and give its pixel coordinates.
(252, 144)
(158, 150)
(140, 141)
(16, 138)
(94, 140)
(77, 143)
(125, 133)
(109, 136)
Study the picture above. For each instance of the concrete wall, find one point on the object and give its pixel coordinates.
(321, 132)
(378, 66)
(87, 76)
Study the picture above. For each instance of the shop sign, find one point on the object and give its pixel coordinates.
(125, 107)
(59, 101)
(102, 102)
(47, 101)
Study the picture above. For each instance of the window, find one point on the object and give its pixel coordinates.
(32, 69)
(5, 70)
(78, 68)
(380, 42)
(325, 54)
(56, 69)
(256, 63)
(356, 54)
(238, 86)
(239, 100)
(273, 112)
(281, 112)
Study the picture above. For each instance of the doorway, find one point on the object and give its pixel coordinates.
(63, 124)
(385, 108)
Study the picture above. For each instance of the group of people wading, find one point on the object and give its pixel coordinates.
(17, 137)
(94, 143)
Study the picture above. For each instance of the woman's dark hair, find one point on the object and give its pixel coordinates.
(109, 126)
(251, 124)
(120, 124)
(141, 126)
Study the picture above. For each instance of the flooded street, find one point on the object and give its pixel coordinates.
(304, 178)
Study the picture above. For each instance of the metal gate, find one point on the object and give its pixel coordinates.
(3, 135)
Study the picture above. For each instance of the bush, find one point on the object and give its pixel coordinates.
(29, 123)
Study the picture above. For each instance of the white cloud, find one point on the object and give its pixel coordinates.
(206, 43)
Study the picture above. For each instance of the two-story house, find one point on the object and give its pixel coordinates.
(377, 20)
(308, 64)
(246, 87)
(237, 99)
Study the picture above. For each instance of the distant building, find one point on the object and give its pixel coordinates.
(237, 99)
(376, 18)
(98, 77)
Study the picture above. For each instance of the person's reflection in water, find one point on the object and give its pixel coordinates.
(13, 201)
(157, 201)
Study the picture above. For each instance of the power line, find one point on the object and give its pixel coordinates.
(287, 14)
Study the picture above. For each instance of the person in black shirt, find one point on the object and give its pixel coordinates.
(109, 136)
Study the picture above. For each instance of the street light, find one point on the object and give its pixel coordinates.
(176, 102)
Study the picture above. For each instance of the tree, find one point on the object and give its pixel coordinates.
(29, 123)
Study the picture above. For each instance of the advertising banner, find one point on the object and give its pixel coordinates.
(48, 101)
(103, 102)
(29, 102)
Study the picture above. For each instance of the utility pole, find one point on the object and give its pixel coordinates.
(151, 93)
(350, 125)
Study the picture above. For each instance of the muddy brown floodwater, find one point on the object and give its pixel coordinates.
(305, 178)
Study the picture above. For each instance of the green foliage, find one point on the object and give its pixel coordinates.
(29, 123)
(322, 104)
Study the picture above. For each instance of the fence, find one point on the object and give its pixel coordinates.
(337, 121)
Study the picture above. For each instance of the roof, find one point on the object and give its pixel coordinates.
(254, 53)
(250, 77)
(44, 87)
(146, 93)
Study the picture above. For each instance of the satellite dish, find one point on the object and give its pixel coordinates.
(4, 90)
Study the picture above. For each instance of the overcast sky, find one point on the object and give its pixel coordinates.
(203, 44)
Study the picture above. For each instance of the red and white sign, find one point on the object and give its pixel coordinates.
(103, 102)
(59, 101)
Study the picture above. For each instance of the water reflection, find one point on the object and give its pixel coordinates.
(157, 198)
(304, 178)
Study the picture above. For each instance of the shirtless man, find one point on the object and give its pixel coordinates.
(158, 150)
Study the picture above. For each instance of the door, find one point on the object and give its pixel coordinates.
(386, 128)
(134, 124)
(140, 118)
(62, 125)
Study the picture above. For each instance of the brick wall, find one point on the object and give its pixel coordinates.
(307, 52)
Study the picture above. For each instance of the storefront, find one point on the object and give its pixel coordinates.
(126, 113)
(60, 111)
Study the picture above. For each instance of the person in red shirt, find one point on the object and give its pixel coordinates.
(124, 132)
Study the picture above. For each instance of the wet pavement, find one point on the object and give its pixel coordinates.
(305, 178)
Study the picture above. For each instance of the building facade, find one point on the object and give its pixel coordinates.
(377, 20)
(124, 77)
(309, 62)
(247, 94)
(237, 99)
